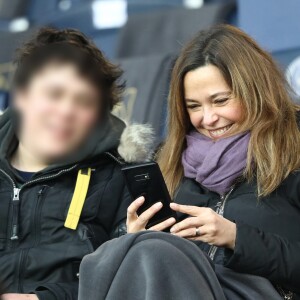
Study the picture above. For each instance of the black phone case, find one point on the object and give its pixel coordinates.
(146, 180)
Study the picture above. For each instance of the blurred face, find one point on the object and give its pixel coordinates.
(213, 110)
(59, 108)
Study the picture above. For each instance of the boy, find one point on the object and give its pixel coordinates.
(55, 138)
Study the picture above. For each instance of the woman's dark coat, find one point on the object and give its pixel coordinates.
(268, 229)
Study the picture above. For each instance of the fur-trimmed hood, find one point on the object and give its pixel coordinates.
(137, 143)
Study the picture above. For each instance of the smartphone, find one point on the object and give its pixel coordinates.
(147, 180)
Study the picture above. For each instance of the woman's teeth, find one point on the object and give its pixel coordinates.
(219, 132)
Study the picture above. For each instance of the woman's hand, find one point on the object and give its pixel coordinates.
(137, 223)
(19, 297)
(204, 225)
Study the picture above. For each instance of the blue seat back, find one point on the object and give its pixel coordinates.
(273, 23)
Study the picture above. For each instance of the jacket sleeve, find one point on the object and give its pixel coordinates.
(115, 200)
(266, 254)
(119, 227)
(57, 291)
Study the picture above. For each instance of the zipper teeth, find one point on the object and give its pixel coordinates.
(220, 211)
(49, 177)
(28, 183)
(286, 295)
(37, 216)
(16, 199)
(10, 178)
(115, 158)
(38, 179)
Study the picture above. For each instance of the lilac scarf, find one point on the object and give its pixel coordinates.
(215, 164)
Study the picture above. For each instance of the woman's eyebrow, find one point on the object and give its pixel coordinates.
(225, 93)
(191, 100)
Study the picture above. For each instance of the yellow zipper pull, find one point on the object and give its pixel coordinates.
(80, 192)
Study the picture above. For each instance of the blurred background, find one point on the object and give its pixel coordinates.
(145, 36)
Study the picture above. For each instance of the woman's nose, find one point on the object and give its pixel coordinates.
(209, 117)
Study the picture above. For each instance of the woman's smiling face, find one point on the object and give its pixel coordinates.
(213, 110)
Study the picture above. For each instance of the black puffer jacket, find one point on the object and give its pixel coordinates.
(268, 229)
(45, 258)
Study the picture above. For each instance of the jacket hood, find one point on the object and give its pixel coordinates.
(135, 142)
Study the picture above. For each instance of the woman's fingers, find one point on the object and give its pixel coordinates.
(133, 207)
(200, 233)
(187, 233)
(144, 218)
(163, 225)
(185, 209)
(192, 222)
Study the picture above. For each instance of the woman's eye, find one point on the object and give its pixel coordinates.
(193, 106)
(221, 101)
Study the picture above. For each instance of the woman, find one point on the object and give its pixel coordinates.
(56, 146)
(231, 164)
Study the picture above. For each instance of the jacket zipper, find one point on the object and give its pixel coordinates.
(16, 207)
(15, 216)
(36, 219)
(213, 249)
(220, 211)
(23, 257)
(16, 197)
(119, 161)
(286, 295)
(16, 210)
(37, 212)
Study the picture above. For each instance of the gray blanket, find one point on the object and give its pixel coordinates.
(152, 266)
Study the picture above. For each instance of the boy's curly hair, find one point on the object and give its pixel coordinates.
(68, 46)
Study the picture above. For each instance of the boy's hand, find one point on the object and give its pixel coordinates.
(137, 223)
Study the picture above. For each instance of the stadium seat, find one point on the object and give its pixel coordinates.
(7, 50)
(3, 101)
(145, 97)
(39, 10)
(293, 77)
(273, 23)
(106, 41)
(87, 15)
(10, 9)
(285, 57)
(167, 31)
(289, 62)
(142, 6)
(12, 41)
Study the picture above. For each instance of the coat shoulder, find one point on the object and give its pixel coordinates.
(290, 187)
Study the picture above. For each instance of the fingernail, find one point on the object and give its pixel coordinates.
(140, 200)
(172, 230)
(158, 205)
(173, 205)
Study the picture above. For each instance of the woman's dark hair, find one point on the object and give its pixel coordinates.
(68, 46)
